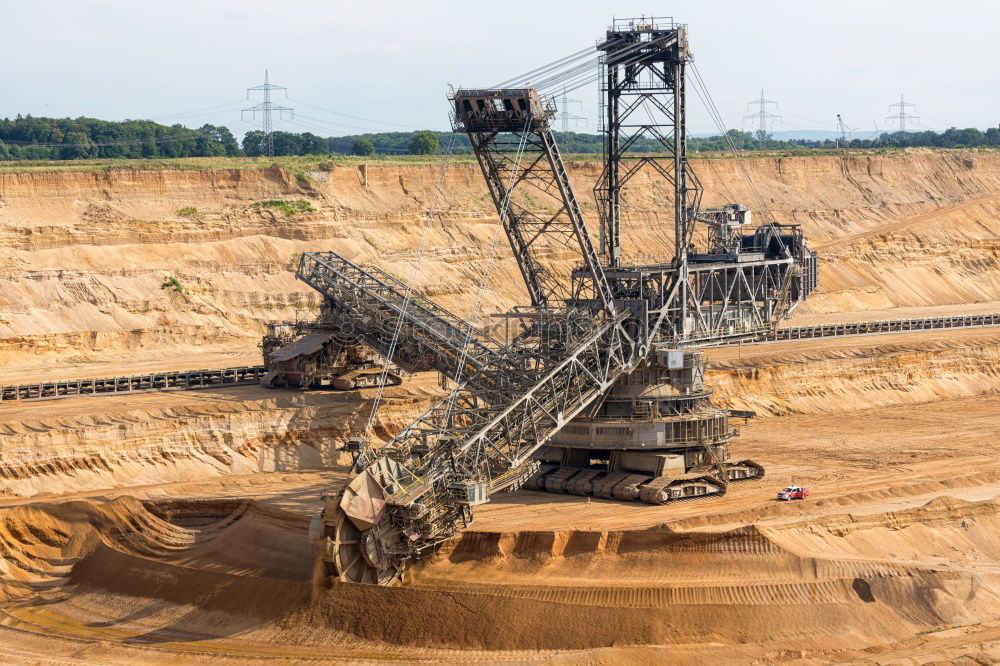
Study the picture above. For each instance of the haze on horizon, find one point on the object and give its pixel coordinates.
(389, 64)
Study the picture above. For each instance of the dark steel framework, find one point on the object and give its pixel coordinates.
(728, 293)
(512, 139)
(643, 95)
(581, 333)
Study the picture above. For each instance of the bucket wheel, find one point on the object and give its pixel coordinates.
(353, 555)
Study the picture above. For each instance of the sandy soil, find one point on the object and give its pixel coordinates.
(802, 318)
(171, 528)
(207, 568)
(896, 548)
(85, 254)
(113, 365)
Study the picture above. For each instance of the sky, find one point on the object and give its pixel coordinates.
(353, 66)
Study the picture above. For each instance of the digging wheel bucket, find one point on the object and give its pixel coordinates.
(354, 555)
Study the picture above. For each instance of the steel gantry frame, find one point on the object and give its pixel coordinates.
(731, 293)
(642, 70)
(512, 138)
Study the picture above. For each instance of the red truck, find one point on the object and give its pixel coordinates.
(793, 493)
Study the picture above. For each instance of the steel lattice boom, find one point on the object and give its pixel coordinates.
(512, 139)
(420, 488)
(365, 304)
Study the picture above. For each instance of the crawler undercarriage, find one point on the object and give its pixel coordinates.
(308, 356)
(654, 438)
(637, 487)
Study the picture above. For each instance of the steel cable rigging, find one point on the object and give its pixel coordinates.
(488, 270)
(706, 99)
(573, 71)
(408, 296)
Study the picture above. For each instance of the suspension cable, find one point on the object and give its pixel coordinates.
(484, 281)
(585, 73)
(573, 71)
(706, 99)
(414, 268)
(555, 64)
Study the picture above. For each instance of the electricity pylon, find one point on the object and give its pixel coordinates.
(265, 109)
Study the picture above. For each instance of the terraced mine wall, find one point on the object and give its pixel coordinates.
(825, 377)
(87, 443)
(831, 587)
(86, 254)
(111, 556)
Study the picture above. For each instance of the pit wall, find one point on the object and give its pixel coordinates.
(830, 588)
(83, 444)
(874, 373)
(186, 437)
(85, 254)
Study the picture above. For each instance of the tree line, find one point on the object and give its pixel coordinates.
(39, 138)
(950, 138)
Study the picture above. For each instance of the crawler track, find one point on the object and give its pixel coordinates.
(638, 487)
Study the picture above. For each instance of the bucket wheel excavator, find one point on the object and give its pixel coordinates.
(600, 392)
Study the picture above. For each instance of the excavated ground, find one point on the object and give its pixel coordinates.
(85, 254)
(171, 528)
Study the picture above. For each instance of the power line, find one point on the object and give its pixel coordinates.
(332, 123)
(317, 128)
(347, 115)
(266, 108)
(327, 126)
(219, 111)
(565, 116)
(939, 122)
(795, 125)
(811, 120)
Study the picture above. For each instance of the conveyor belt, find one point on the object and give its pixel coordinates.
(881, 327)
(157, 381)
(198, 379)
